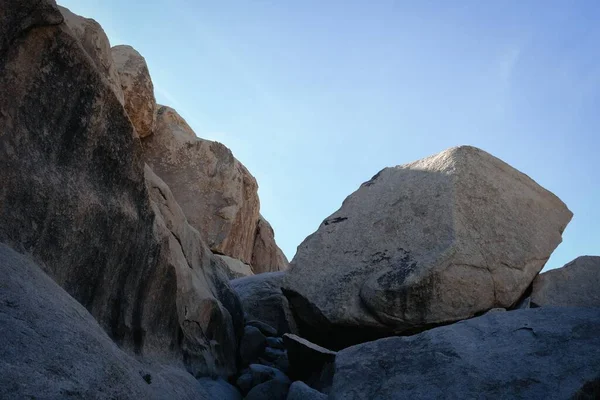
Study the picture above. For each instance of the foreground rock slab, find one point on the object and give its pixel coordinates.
(543, 353)
(52, 348)
(577, 284)
(430, 242)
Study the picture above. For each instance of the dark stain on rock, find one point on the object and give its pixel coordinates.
(334, 220)
(371, 181)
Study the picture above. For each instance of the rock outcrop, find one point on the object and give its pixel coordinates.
(95, 43)
(52, 348)
(544, 353)
(263, 300)
(74, 196)
(426, 243)
(577, 284)
(137, 87)
(266, 255)
(216, 192)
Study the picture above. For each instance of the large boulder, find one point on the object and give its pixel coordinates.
(574, 285)
(543, 353)
(216, 192)
(75, 197)
(426, 243)
(138, 90)
(266, 255)
(94, 41)
(263, 300)
(52, 348)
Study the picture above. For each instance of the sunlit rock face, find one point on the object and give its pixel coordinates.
(216, 192)
(137, 87)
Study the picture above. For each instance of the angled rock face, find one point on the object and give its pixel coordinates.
(558, 354)
(94, 41)
(430, 242)
(574, 285)
(138, 90)
(75, 197)
(217, 194)
(52, 348)
(266, 255)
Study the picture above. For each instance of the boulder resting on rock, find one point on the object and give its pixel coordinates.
(424, 244)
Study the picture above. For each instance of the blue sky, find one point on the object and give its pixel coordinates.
(316, 97)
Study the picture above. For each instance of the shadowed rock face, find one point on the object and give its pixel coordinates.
(426, 243)
(75, 198)
(262, 300)
(544, 353)
(52, 348)
(574, 285)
